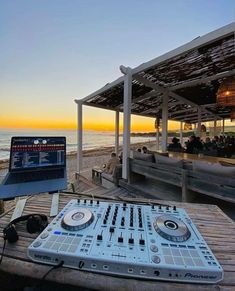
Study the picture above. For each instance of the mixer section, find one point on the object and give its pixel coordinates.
(143, 241)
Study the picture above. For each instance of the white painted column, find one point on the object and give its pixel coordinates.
(223, 126)
(126, 121)
(181, 133)
(165, 99)
(199, 121)
(215, 125)
(117, 132)
(79, 137)
(157, 138)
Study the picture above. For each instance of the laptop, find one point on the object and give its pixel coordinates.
(37, 164)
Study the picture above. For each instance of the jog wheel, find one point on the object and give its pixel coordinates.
(171, 228)
(77, 219)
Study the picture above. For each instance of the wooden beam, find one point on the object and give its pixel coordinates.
(172, 104)
(178, 112)
(150, 84)
(143, 97)
(195, 43)
(163, 90)
(202, 80)
(195, 114)
(99, 106)
(105, 88)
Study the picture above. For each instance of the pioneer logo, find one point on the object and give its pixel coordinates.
(194, 276)
(42, 257)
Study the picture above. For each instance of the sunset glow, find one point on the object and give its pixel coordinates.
(51, 56)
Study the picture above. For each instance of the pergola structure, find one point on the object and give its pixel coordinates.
(180, 85)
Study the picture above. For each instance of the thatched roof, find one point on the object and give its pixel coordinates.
(190, 74)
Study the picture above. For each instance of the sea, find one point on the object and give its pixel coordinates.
(91, 139)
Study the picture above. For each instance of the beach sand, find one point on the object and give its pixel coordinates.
(98, 157)
(91, 158)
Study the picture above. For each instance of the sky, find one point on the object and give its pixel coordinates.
(53, 52)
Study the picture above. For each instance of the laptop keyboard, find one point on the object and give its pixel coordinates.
(34, 176)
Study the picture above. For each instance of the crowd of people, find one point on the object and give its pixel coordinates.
(218, 146)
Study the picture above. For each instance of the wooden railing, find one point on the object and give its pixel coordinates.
(207, 184)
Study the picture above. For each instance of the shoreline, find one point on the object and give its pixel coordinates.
(102, 151)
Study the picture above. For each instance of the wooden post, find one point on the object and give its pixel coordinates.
(184, 186)
(181, 133)
(215, 125)
(1, 206)
(117, 132)
(157, 137)
(164, 121)
(223, 127)
(187, 195)
(126, 121)
(199, 121)
(79, 137)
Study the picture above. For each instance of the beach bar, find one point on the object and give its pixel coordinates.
(180, 85)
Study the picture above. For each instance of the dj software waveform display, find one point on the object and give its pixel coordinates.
(34, 152)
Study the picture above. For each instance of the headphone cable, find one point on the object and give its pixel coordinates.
(51, 269)
(3, 249)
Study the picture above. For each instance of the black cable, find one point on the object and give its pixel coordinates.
(46, 274)
(4, 245)
(52, 268)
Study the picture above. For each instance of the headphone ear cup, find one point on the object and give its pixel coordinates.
(34, 224)
(10, 233)
(44, 222)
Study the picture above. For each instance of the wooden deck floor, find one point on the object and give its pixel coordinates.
(17, 270)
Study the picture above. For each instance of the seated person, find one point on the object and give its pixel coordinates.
(194, 146)
(208, 145)
(175, 146)
(199, 145)
(112, 163)
(145, 150)
(120, 157)
(191, 147)
(139, 150)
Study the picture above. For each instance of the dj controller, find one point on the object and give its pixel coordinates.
(133, 240)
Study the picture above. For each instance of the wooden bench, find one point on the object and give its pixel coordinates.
(112, 180)
(215, 186)
(212, 185)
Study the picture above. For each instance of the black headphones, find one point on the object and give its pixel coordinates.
(35, 223)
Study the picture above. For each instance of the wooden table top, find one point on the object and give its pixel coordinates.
(203, 158)
(217, 229)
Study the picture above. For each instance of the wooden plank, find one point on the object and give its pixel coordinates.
(170, 177)
(19, 208)
(54, 205)
(208, 159)
(214, 179)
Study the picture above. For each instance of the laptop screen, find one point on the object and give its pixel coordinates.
(34, 153)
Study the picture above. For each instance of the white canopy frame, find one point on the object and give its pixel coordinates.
(200, 112)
